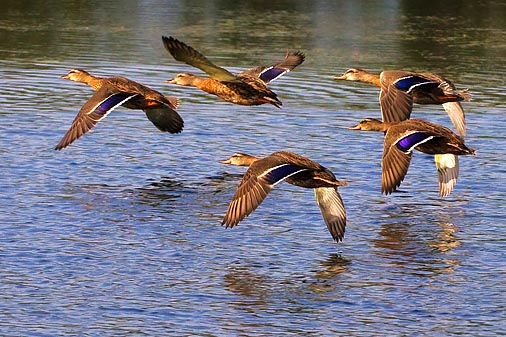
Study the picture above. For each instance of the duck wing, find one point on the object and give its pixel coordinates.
(256, 183)
(396, 105)
(159, 109)
(186, 54)
(332, 208)
(270, 73)
(397, 153)
(447, 172)
(94, 110)
(413, 82)
(395, 166)
(457, 116)
(165, 119)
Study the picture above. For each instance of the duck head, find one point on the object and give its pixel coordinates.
(185, 79)
(352, 74)
(77, 75)
(239, 159)
(370, 124)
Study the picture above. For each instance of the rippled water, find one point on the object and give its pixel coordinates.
(119, 234)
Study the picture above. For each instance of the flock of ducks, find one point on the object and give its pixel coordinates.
(398, 91)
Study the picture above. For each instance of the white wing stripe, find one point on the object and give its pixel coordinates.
(112, 108)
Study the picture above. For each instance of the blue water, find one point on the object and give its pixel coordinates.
(119, 234)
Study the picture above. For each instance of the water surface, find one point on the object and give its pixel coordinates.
(119, 234)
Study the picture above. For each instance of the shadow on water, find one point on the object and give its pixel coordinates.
(119, 204)
(168, 195)
(158, 193)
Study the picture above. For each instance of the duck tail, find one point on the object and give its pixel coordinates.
(464, 94)
(274, 101)
(470, 151)
(174, 101)
(453, 94)
(463, 150)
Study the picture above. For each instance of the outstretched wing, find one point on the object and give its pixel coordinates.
(447, 172)
(269, 73)
(332, 209)
(397, 156)
(165, 119)
(457, 116)
(427, 83)
(94, 110)
(257, 182)
(395, 166)
(396, 104)
(184, 53)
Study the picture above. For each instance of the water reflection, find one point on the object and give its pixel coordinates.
(333, 266)
(253, 288)
(412, 247)
(327, 278)
(445, 238)
(394, 238)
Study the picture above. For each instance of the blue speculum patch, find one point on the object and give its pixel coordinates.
(407, 82)
(271, 74)
(111, 102)
(281, 172)
(406, 143)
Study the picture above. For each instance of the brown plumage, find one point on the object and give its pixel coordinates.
(246, 88)
(400, 140)
(264, 173)
(400, 89)
(115, 91)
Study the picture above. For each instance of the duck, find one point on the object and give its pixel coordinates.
(117, 91)
(250, 87)
(400, 89)
(401, 138)
(265, 173)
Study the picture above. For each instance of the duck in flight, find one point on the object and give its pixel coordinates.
(265, 173)
(401, 138)
(113, 92)
(400, 89)
(249, 87)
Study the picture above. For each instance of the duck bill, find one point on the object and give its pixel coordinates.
(65, 77)
(342, 77)
(170, 82)
(225, 161)
(356, 127)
